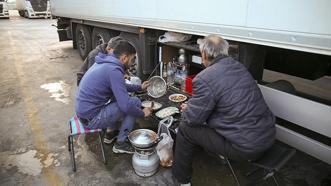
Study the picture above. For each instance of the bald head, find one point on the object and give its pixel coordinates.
(212, 46)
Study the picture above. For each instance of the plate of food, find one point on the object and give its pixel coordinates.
(156, 105)
(168, 111)
(177, 98)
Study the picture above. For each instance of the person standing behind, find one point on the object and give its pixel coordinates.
(226, 115)
(102, 98)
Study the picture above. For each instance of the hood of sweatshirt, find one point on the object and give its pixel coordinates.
(102, 58)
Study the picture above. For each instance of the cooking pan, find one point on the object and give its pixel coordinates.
(143, 138)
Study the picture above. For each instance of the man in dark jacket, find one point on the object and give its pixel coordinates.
(226, 115)
(102, 98)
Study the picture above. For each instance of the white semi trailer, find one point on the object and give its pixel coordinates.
(291, 37)
(33, 8)
(4, 13)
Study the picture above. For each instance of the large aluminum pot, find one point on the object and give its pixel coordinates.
(143, 138)
(145, 163)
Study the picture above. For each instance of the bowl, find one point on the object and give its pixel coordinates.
(157, 87)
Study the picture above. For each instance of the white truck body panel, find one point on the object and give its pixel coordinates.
(24, 5)
(4, 13)
(11, 4)
(302, 25)
(20, 4)
(305, 113)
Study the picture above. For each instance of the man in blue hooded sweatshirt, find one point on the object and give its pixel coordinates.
(103, 99)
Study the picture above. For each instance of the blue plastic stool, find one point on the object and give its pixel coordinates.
(76, 129)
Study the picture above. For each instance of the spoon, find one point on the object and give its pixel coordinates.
(152, 104)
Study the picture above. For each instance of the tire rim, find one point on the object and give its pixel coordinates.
(133, 69)
(99, 40)
(82, 41)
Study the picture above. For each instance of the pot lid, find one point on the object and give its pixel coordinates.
(142, 137)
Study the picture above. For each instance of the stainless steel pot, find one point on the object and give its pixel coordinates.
(143, 138)
(145, 163)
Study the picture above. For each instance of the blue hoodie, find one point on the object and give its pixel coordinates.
(104, 81)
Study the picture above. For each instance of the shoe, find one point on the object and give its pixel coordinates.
(110, 137)
(123, 147)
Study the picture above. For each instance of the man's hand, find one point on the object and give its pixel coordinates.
(144, 85)
(147, 111)
(183, 107)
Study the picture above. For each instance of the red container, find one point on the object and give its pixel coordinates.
(188, 84)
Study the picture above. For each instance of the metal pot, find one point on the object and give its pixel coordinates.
(145, 163)
(143, 138)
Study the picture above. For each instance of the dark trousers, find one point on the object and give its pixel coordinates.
(190, 138)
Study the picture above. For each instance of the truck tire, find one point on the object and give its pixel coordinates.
(133, 39)
(21, 13)
(100, 36)
(83, 40)
(26, 14)
(283, 85)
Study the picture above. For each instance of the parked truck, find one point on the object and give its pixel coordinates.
(11, 4)
(292, 38)
(4, 13)
(33, 8)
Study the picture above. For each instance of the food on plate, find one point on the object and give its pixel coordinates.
(177, 97)
(156, 105)
(169, 111)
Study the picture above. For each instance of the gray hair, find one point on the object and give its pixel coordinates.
(213, 46)
(113, 42)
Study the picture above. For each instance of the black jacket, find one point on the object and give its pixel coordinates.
(89, 61)
(227, 99)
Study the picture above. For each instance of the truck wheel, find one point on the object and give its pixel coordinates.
(26, 14)
(136, 69)
(83, 40)
(100, 36)
(21, 13)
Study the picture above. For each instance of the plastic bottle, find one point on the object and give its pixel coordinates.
(183, 77)
(171, 74)
(182, 57)
(165, 71)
